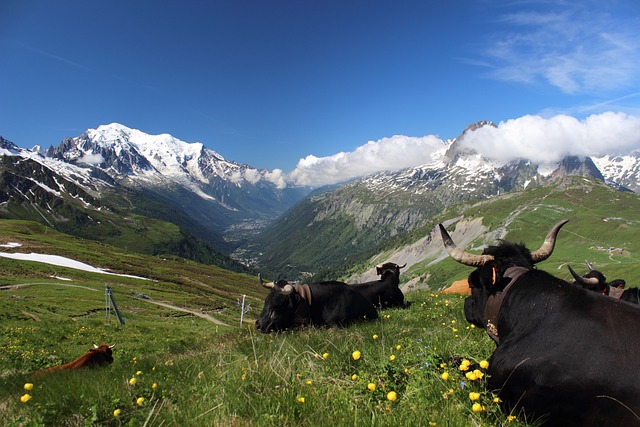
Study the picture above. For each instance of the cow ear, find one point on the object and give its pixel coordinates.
(490, 275)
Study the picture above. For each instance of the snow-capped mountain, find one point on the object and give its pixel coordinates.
(620, 170)
(219, 194)
(122, 151)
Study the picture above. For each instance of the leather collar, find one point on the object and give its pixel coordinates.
(494, 302)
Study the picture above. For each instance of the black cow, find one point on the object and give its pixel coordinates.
(561, 351)
(320, 304)
(595, 281)
(385, 292)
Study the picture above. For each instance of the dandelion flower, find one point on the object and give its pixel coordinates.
(116, 413)
(301, 399)
(155, 386)
(28, 386)
(484, 364)
(354, 377)
(308, 382)
(133, 381)
(474, 395)
(139, 373)
(375, 336)
(392, 396)
(355, 355)
(445, 376)
(398, 347)
(392, 357)
(371, 386)
(139, 401)
(325, 355)
(25, 398)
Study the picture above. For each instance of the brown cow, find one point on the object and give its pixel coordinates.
(97, 356)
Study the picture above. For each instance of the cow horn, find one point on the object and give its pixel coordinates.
(268, 285)
(95, 346)
(286, 289)
(546, 249)
(403, 265)
(111, 346)
(379, 266)
(458, 254)
(585, 281)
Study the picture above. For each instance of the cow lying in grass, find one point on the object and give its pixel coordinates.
(97, 356)
(319, 304)
(385, 292)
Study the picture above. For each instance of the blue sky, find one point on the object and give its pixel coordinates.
(268, 83)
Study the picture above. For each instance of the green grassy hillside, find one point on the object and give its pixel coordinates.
(208, 374)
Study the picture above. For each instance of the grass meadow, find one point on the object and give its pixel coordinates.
(175, 368)
(403, 369)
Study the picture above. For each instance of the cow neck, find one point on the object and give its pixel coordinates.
(304, 291)
(494, 302)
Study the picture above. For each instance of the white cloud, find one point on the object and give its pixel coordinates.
(387, 154)
(578, 48)
(91, 159)
(276, 177)
(548, 140)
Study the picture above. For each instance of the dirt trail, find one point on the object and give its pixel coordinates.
(185, 310)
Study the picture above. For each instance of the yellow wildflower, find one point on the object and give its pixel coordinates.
(139, 373)
(28, 386)
(355, 355)
(477, 407)
(484, 364)
(116, 413)
(139, 401)
(478, 373)
(432, 423)
(445, 375)
(398, 347)
(392, 357)
(132, 381)
(308, 382)
(392, 396)
(471, 376)
(354, 377)
(371, 386)
(155, 386)
(25, 398)
(474, 395)
(375, 336)
(464, 366)
(301, 399)
(325, 355)
(510, 418)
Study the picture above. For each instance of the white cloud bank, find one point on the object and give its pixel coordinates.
(387, 154)
(541, 140)
(545, 141)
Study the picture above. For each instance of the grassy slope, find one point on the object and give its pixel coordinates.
(213, 375)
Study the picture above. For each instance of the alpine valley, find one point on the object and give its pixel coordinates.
(156, 194)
